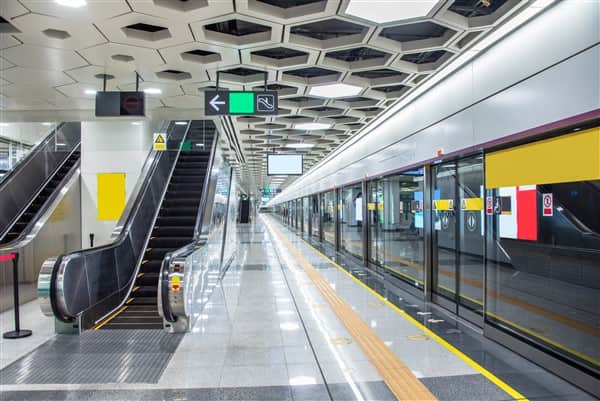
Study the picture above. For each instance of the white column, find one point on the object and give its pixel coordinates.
(109, 147)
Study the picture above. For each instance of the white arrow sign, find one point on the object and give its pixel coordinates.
(214, 102)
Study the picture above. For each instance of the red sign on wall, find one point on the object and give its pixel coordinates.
(548, 205)
(489, 205)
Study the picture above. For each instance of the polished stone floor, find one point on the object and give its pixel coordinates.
(267, 333)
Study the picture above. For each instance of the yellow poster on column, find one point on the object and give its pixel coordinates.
(111, 195)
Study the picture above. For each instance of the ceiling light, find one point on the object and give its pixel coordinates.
(4, 124)
(152, 91)
(335, 90)
(312, 126)
(136, 123)
(381, 11)
(47, 124)
(300, 145)
(180, 122)
(90, 91)
(71, 3)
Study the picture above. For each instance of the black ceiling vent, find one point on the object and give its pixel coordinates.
(104, 76)
(174, 75)
(201, 56)
(147, 32)
(237, 27)
(328, 29)
(288, 3)
(412, 32)
(7, 27)
(425, 57)
(381, 73)
(242, 72)
(390, 88)
(321, 109)
(475, 8)
(279, 53)
(311, 72)
(355, 99)
(370, 109)
(122, 57)
(357, 54)
(56, 33)
(275, 87)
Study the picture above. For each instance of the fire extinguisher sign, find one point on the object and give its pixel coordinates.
(548, 205)
(489, 205)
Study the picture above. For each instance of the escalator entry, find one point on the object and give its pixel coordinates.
(173, 228)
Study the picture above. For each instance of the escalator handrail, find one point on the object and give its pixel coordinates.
(59, 269)
(16, 174)
(199, 240)
(43, 214)
(24, 161)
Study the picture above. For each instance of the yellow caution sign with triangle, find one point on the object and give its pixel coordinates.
(160, 141)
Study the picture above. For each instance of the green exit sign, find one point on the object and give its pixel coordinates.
(236, 102)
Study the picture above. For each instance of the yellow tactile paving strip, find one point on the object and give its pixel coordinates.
(401, 381)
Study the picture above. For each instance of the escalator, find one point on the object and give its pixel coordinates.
(173, 228)
(114, 286)
(40, 199)
(26, 189)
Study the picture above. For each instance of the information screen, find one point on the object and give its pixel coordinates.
(120, 104)
(284, 164)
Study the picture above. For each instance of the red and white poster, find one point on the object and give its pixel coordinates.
(548, 205)
(518, 212)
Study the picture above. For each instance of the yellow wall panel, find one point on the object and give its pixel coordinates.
(568, 158)
(111, 195)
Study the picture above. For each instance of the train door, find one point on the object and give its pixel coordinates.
(458, 241)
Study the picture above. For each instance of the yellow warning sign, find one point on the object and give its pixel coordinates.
(160, 141)
(471, 204)
(371, 206)
(443, 204)
(380, 206)
(175, 283)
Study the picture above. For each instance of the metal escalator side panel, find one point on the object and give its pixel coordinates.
(28, 179)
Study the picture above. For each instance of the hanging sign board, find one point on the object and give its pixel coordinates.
(548, 205)
(159, 141)
(120, 104)
(217, 103)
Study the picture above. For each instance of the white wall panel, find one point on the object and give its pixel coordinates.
(469, 110)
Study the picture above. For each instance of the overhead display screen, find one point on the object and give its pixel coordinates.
(284, 164)
(120, 104)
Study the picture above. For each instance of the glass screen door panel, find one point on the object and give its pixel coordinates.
(374, 203)
(444, 252)
(471, 244)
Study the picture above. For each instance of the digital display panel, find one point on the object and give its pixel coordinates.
(120, 104)
(284, 164)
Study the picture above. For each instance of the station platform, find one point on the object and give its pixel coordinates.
(285, 323)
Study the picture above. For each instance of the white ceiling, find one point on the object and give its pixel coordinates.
(51, 54)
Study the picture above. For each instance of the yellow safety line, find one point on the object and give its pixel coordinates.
(111, 317)
(397, 376)
(486, 373)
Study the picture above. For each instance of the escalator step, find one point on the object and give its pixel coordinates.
(144, 300)
(195, 179)
(144, 292)
(182, 231)
(173, 194)
(151, 266)
(176, 221)
(168, 242)
(179, 211)
(179, 202)
(148, 279)
(156, 253)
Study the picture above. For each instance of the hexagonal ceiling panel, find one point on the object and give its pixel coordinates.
(314, 53)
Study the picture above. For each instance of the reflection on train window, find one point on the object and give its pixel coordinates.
(396, 207)
(543, 247)
(351, 221)
(305, 214)
(328, 217)
(314, 215)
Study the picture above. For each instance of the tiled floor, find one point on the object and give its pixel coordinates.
(267, 333)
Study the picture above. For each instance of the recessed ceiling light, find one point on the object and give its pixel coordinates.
(335, 90)
(152, 91)
(136, 123)
(312, 126)
(4, 124)
(381, 11)
(71, 3)
(300, 145)
(47, 124)
(90, 91)
(181, 123)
